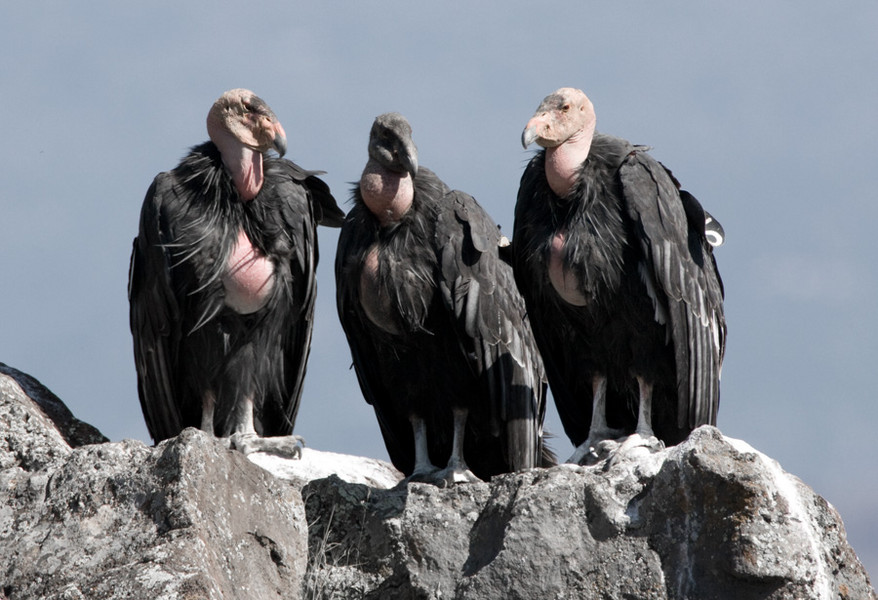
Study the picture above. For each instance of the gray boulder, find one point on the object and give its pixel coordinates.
(710, 518)
(186, 519)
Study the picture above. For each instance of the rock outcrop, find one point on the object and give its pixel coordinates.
(81, 517)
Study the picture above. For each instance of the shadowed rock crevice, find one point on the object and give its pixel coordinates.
(75, 432)
(489, 531)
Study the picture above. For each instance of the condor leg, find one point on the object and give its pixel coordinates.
(457, 470)
(245, 438)
(598, 430)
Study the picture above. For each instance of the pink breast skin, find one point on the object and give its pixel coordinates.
(249, 277)
(375, 304)
(564, 282)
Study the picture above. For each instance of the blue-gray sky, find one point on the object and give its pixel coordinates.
(766, 111)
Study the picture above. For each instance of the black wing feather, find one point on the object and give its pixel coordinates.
(685, 273)
(479, 288)
(294, 308)
(155, 317)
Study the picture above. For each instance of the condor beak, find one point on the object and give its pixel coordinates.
(538, 123)
(280, 139)
(408, 158)
(529, 135)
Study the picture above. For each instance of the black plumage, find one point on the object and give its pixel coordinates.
(620, 281)
(437, 329)
(222, 288)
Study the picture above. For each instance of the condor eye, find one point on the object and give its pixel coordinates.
(565, 108)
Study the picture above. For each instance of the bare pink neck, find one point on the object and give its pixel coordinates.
(563, 162)
(386, 194)
(243, 163)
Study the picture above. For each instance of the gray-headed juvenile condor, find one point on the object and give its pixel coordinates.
(616, 265)
(436, 326)
(222, 283)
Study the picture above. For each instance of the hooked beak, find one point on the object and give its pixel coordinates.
(408, 158)
(533, 128)
(529, 135)
(280, 139)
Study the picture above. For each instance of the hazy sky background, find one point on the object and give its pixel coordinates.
(766, 111)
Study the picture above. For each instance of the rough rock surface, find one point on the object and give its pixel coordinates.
(315, 464)
(186, 519)
(710, 518)
(189, 518)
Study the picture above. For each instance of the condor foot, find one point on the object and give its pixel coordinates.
(450, 475)
(597, 447)
(287, 446)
